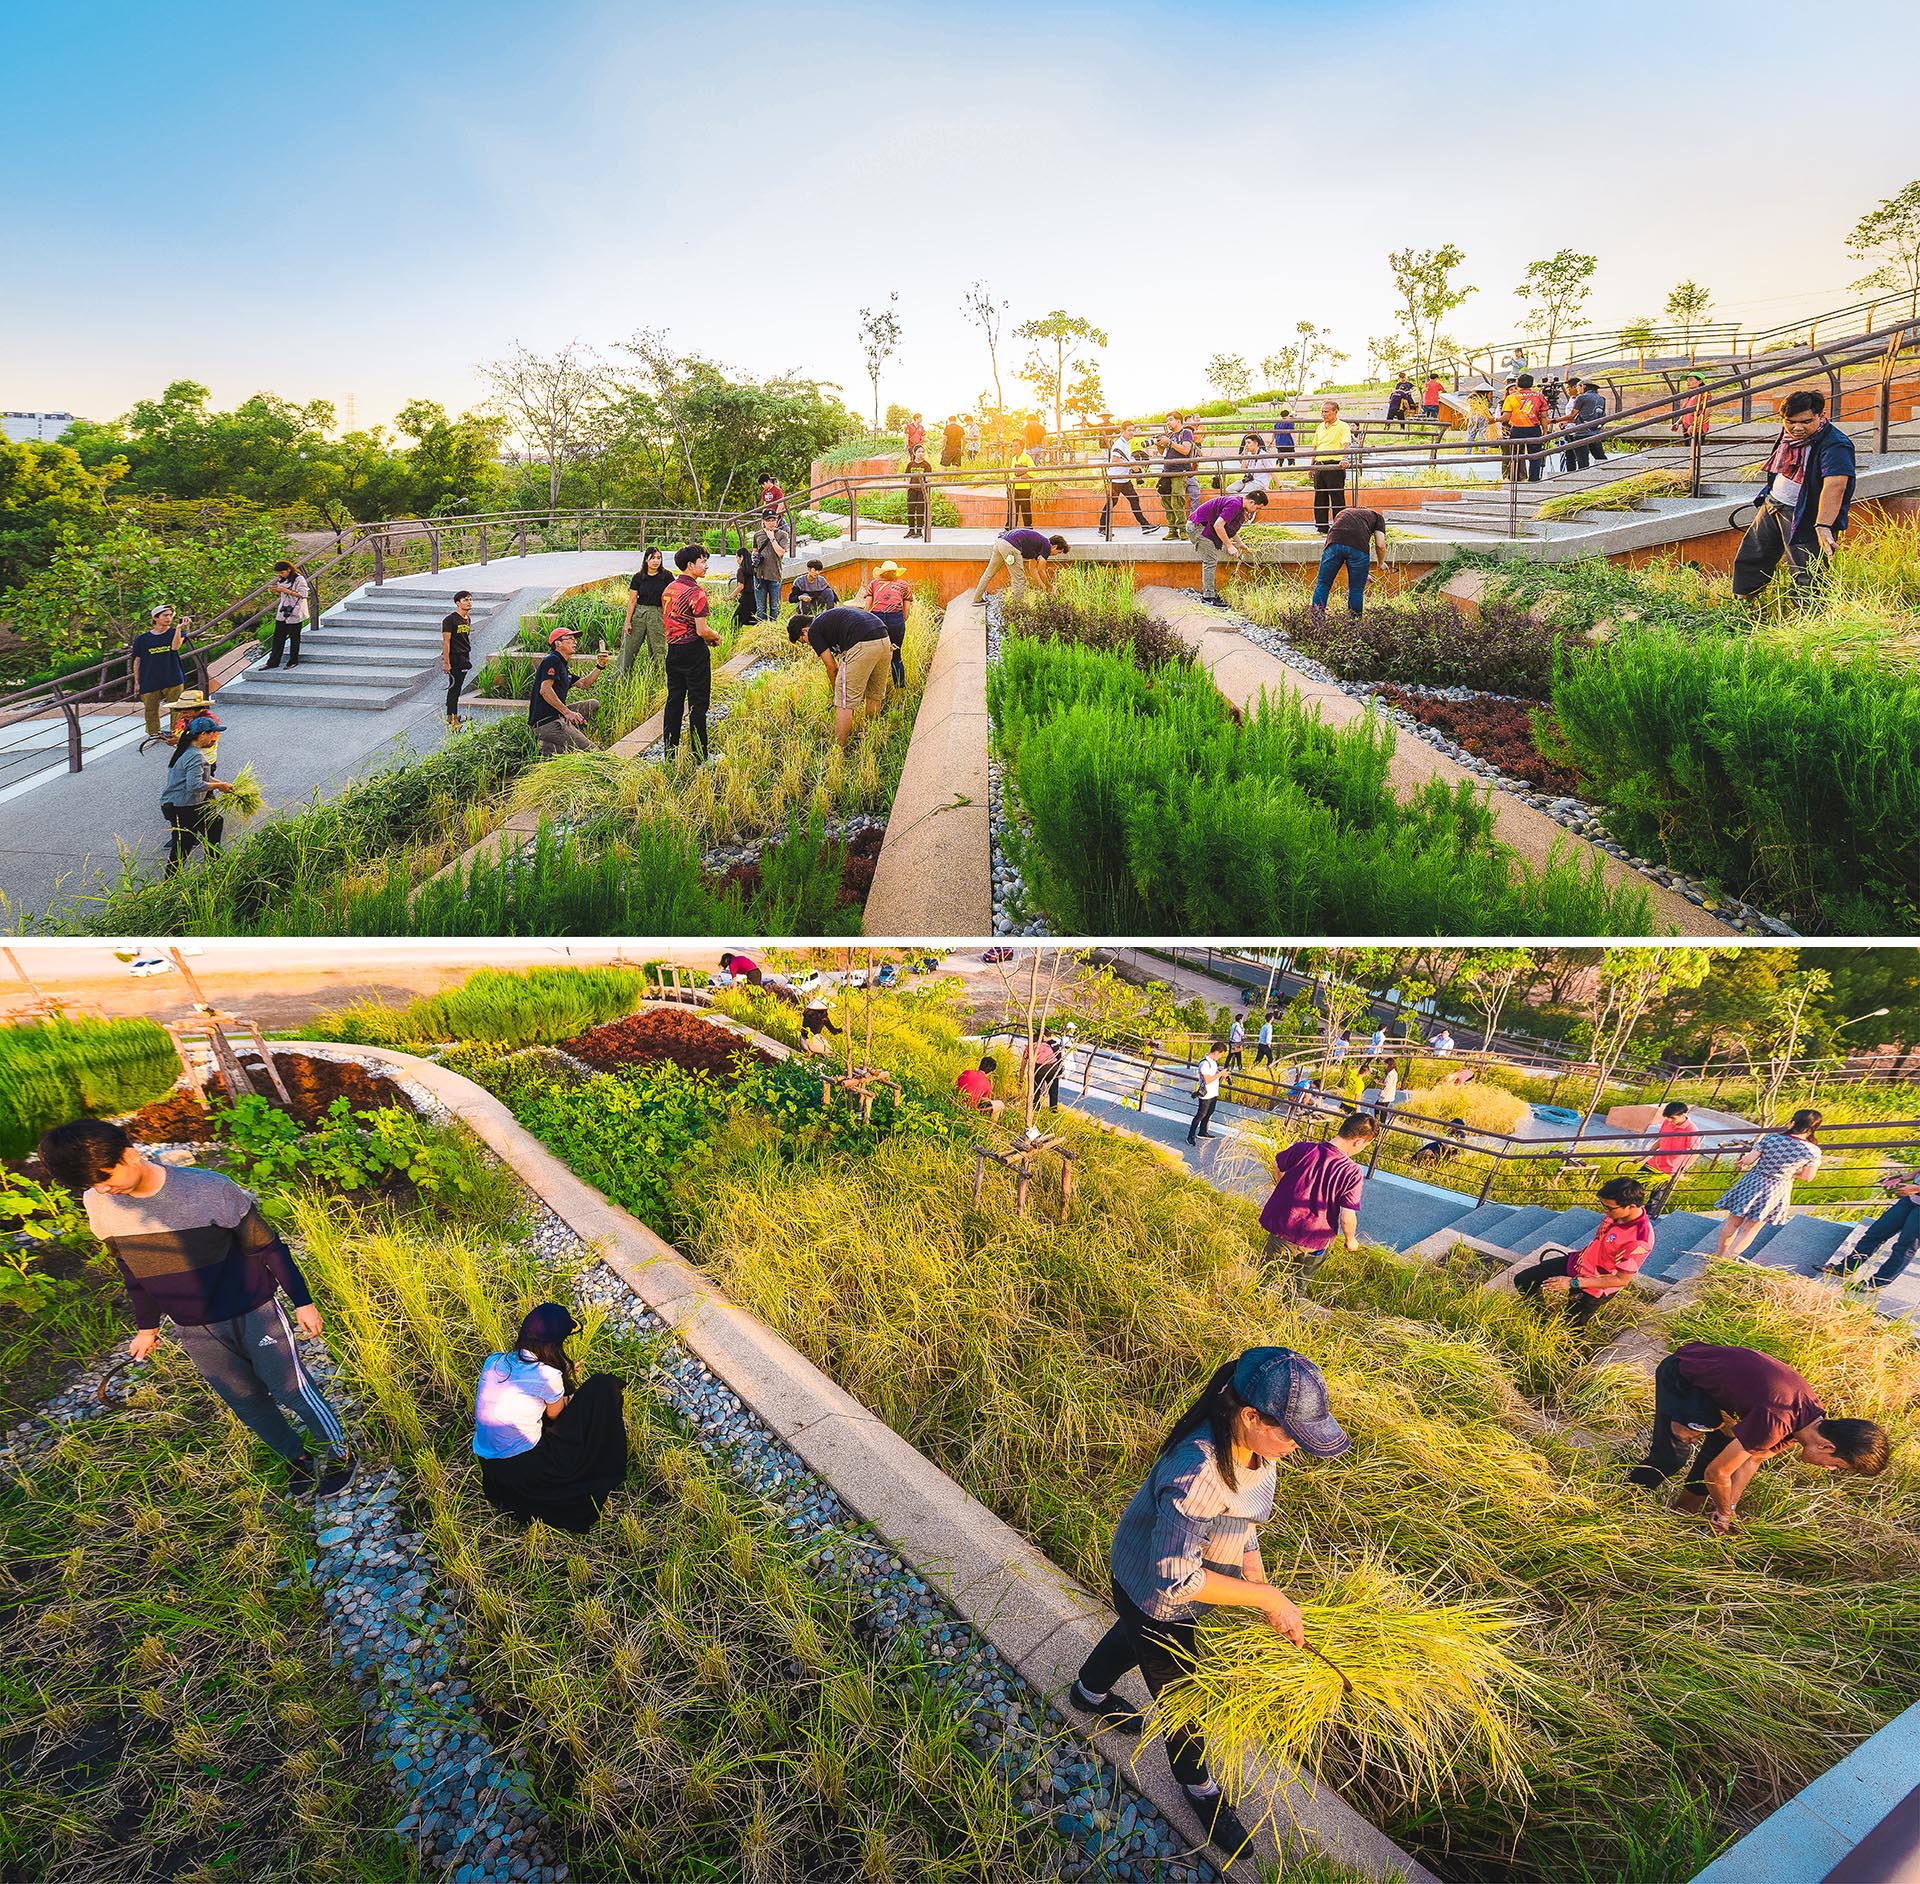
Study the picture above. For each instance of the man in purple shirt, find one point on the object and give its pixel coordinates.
(1213, 527)
(1316, 1194)
(1015, 549)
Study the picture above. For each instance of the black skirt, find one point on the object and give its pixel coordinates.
(580, 1462)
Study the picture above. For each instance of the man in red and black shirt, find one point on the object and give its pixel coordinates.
(683, 608)
(193, 1247)
(1608, 1264)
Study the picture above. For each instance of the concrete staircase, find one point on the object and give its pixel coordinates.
(369, 652)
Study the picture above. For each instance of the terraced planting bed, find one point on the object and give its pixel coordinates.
(777, 833)
(1665, 1689)
(727, 1679)
(1133, 798)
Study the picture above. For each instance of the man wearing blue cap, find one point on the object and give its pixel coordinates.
(1190, 1537)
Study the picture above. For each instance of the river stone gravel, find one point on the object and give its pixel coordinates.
(1011, 914)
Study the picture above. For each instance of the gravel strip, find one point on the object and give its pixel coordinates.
(1577, 814)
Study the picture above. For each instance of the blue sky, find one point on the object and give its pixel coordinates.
(369, 200)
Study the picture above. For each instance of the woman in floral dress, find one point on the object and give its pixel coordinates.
(1763, 1193)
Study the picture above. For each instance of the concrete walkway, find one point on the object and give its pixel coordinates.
(1242, 671)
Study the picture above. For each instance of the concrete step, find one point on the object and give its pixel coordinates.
(1676, 1236)
(1399, 1215)
(358, 699)
(1800, 1246)
(326, 651)
(1483, 1221)
(1516, 1233)
(1566, 1229)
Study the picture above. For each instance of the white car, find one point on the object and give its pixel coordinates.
(805, 981)
(856, 978)
(150, 965)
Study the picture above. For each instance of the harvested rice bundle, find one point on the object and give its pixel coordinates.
(1423, 1689)
(246, 800)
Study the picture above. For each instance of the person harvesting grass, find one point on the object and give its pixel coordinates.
(1741, 1408)
(191, 1244)
(1188, 1540)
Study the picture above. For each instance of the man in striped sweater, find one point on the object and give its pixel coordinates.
(193, 1245)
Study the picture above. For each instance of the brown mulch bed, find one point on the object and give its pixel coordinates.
(1499, 731)
(856, 875)
(313, 1085)
(693, 1044)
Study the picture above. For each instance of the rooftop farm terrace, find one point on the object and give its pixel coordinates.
(1647, 1692)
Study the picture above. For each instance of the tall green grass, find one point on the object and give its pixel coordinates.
(499, 1007)
(1150, 808)
(1791, 779)
(56, 1069)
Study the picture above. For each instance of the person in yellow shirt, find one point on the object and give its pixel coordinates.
(1023, 468)
(1524, 413)
(1331, 439)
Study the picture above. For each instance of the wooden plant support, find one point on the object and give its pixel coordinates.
(861, 1086)
(208, 1034)
(1023, 1160)
(671, 982)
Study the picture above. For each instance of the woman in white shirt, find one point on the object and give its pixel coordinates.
(548, 1448)
(1256, 469)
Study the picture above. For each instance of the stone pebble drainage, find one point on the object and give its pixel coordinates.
(1583, 819)
(724, 857)
(1010, 913)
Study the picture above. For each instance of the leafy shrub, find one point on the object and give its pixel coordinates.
(1151, 810)
(1791, 779)
(346, 1151)
(1097, 608)
(33, 1215)
(55, 1070)
(501, 1006)
(1424, 639)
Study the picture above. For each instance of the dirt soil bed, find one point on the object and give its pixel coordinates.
(312, 1084)
(695, 1045)
(1499, 731)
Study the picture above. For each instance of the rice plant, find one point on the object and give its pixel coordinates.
(498, 1007)
(54, 1069)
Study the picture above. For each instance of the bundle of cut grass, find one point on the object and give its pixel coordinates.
(1627, 493)
(246, 800)
(1427, 1688)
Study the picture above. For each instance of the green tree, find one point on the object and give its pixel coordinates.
(1423, 282)
(1491, 978)
(1687, 307)
(1290, 371)
(1627, 985)
(989, 315)
(1059, 341)
(1639, 333)
(45, 490)
(880, 333)
(1865, 979)
(1229, 375)
(1888, 235)
(553, 404)
(452, 463)
(1554, 291)
(1086, 396)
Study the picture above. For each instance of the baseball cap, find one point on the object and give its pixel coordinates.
(553, 640)
(205, 723)
(157, 610)
(548, 1321)
(1291, 1392)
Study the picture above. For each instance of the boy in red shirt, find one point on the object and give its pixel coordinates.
(1673, 1155)
(1588, 1276)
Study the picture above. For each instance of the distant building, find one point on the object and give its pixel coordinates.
(22, 426)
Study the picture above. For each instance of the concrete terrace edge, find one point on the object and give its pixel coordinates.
(934, 876)
(1039, 1619)
(1242, 670)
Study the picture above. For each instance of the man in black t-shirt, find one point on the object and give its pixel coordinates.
(157, 674)
(557, 726)
(855, 649)
(456, 651)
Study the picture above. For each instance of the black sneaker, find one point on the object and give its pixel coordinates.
(1221, 1824)
(1110, 1713)
(302, 1476)
(338, 1476)
(1213, 601)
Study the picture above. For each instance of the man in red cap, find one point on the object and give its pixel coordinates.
(556, 725)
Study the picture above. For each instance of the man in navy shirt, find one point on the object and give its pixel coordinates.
(557, 726)
(1803, 506)
(157, 673)
(1015, 549)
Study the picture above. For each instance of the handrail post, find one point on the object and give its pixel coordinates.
(520, 539)
(483, 544)
(853, 511)
(433, 544)
(75, 750)
(379, 559)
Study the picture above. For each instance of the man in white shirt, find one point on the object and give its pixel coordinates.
(1206, 1089)
(1443, 1042)
(1264, 1054)
(1120, 470)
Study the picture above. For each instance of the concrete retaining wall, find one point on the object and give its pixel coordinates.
(1040, 1619)
(934, 877)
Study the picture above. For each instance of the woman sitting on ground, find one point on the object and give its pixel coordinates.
(547, 1448)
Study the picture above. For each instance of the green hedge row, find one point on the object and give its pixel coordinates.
(59, 1069)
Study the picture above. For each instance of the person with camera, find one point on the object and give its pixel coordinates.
(557, 726)
(289, 614)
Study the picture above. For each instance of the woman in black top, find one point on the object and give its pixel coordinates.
(918, 471)
(644, 621)
(743, 610)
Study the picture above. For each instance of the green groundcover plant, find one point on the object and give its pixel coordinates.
(499, 1007)
(1149, 806)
